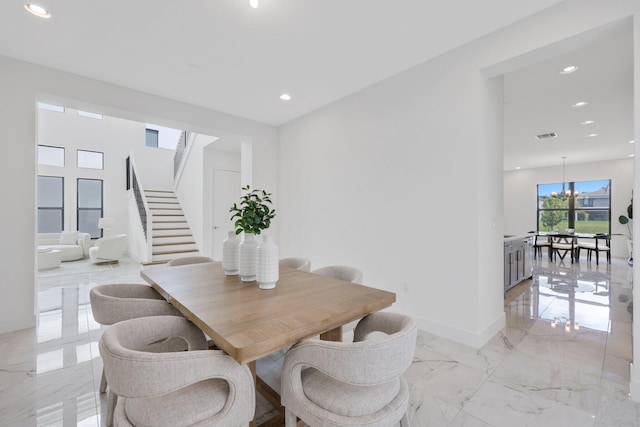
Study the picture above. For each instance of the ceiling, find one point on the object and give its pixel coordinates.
(538, 100)
(226, 56)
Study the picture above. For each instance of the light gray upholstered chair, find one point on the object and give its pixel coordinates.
(197, 387)
(302, 264)
(348, 274)
(341, 272)
(328, 383)
(189, 260)
(117, 302)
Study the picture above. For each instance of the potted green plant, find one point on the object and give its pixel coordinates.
(626, 220)
(252, 216)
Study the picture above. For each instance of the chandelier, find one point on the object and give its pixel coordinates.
(565, 194)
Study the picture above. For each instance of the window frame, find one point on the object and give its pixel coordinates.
(79, 209)
(89, 151)
(157, 137)
(48, 208)
(64, 154)
(572, 210)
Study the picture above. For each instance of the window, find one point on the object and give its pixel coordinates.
(50, 107)
(50, 204)
(152, 138)
(588, 212)
(89, 115)
(89, 206)
(90, 159)
(51, 156)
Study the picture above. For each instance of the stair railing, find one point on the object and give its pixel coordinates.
(180, 149)
(142, 207)
(137, 194)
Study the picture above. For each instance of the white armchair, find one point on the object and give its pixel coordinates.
(108, 249)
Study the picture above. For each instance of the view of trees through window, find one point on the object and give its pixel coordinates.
(588, 210)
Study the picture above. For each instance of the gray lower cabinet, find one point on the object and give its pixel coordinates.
(517, 263)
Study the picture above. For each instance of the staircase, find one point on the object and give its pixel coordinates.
(171, 235)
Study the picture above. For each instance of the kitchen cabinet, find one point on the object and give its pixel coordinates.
(517, 260)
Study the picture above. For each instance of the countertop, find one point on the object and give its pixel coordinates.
(511, 237)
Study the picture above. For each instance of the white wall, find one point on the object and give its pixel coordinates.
(21, 86)
(520, 194)
(404, 179)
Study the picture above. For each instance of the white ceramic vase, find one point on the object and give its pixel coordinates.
(248, 258)
(268, 263)
(231, 254)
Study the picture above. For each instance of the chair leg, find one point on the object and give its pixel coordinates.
(103, 382)
(290, 419)
(597, 257)
(111, 407)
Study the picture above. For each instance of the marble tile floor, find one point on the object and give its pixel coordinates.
(562, 360)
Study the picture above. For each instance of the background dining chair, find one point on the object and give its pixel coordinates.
(341, 272)
(337, 384)
(564, 245)
(189, 260)
(348, 274)
(117, 302)
(540, 242)
(194, 387)
(601, 243)
(302, 264)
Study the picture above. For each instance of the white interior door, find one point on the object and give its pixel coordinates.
(226, 192)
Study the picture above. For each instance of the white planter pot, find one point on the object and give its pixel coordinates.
(231, 254)
(248, 258)
(268, 265)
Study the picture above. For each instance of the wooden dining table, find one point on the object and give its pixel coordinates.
(249, 323)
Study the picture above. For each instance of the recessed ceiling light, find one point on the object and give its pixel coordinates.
(631, 155)
(568, 70)
(580, 104)
(285, 97)
(587, 122)
(592, 134)
(254, 3)
(518, 168)
(631, 142)
(37, 10)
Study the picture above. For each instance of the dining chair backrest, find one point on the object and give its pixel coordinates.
(189, 260)
(341, 272)
(302, 264)
(366, 374)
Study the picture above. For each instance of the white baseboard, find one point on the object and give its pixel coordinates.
(475, 340)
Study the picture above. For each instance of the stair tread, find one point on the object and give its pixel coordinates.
(161, 197)
(181, 251)
(154, 263)
(172, 235)
(170, 222)
(168, 214)
(158, 191)
(170, 229)
(174, 244)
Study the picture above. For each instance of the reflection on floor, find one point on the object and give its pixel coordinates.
(562, 360)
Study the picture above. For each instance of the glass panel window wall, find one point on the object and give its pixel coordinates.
(89, 206)
(584, 206)
(50, 204)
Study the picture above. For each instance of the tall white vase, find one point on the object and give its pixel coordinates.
(268, 268)
(231, 254)
(248, 258)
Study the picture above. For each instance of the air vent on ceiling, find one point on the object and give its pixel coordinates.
(547, 135)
